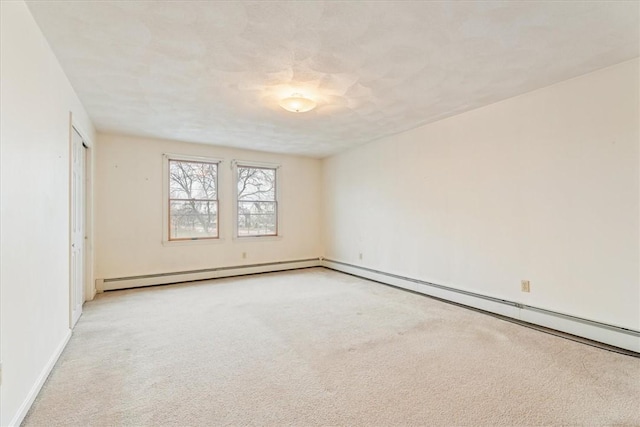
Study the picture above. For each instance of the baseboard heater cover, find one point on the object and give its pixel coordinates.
(117, 283)
(625, 338)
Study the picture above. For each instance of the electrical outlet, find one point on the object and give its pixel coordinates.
(244, 255)
(360, 256)
(525, 286)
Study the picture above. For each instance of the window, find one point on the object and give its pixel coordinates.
(193, 200)
(257, 211)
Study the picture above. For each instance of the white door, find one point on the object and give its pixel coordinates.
(77, 226)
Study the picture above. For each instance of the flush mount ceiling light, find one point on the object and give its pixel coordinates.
(297, 103)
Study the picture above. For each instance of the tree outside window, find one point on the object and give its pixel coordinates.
(257, 203)
(193, 200)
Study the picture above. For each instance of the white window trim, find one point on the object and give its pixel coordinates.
(250, 164)
(165, 200)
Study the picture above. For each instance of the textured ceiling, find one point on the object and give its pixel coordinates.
(213, 72)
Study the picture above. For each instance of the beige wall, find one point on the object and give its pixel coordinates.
(129, 205)
(543, 187)
(34, 214)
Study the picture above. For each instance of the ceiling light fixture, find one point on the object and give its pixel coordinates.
(297, 103)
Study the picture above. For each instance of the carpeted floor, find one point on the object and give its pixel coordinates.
(317, 347)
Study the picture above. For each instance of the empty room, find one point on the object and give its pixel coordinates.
(319, 213)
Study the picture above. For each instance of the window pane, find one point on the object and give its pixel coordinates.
(256, 184)
(192, 219)
(257, 219)
(192, 180)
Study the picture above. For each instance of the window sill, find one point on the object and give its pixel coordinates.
(257, 238)
(192, 242)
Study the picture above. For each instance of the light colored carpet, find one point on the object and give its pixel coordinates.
(317, 347)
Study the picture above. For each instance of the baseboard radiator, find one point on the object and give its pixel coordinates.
(624, 338)
(112, 284)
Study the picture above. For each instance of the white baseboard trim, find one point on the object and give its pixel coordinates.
(33, 393)
(111, 284)
(612, 335)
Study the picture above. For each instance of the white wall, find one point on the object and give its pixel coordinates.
(129, 203)
(34, 215)
(544, 187)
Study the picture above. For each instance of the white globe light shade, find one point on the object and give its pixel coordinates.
(297, 103)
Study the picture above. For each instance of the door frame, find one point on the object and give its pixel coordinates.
(87, 247)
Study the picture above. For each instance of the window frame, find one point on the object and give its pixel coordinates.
(257, 165)
(166, 199)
